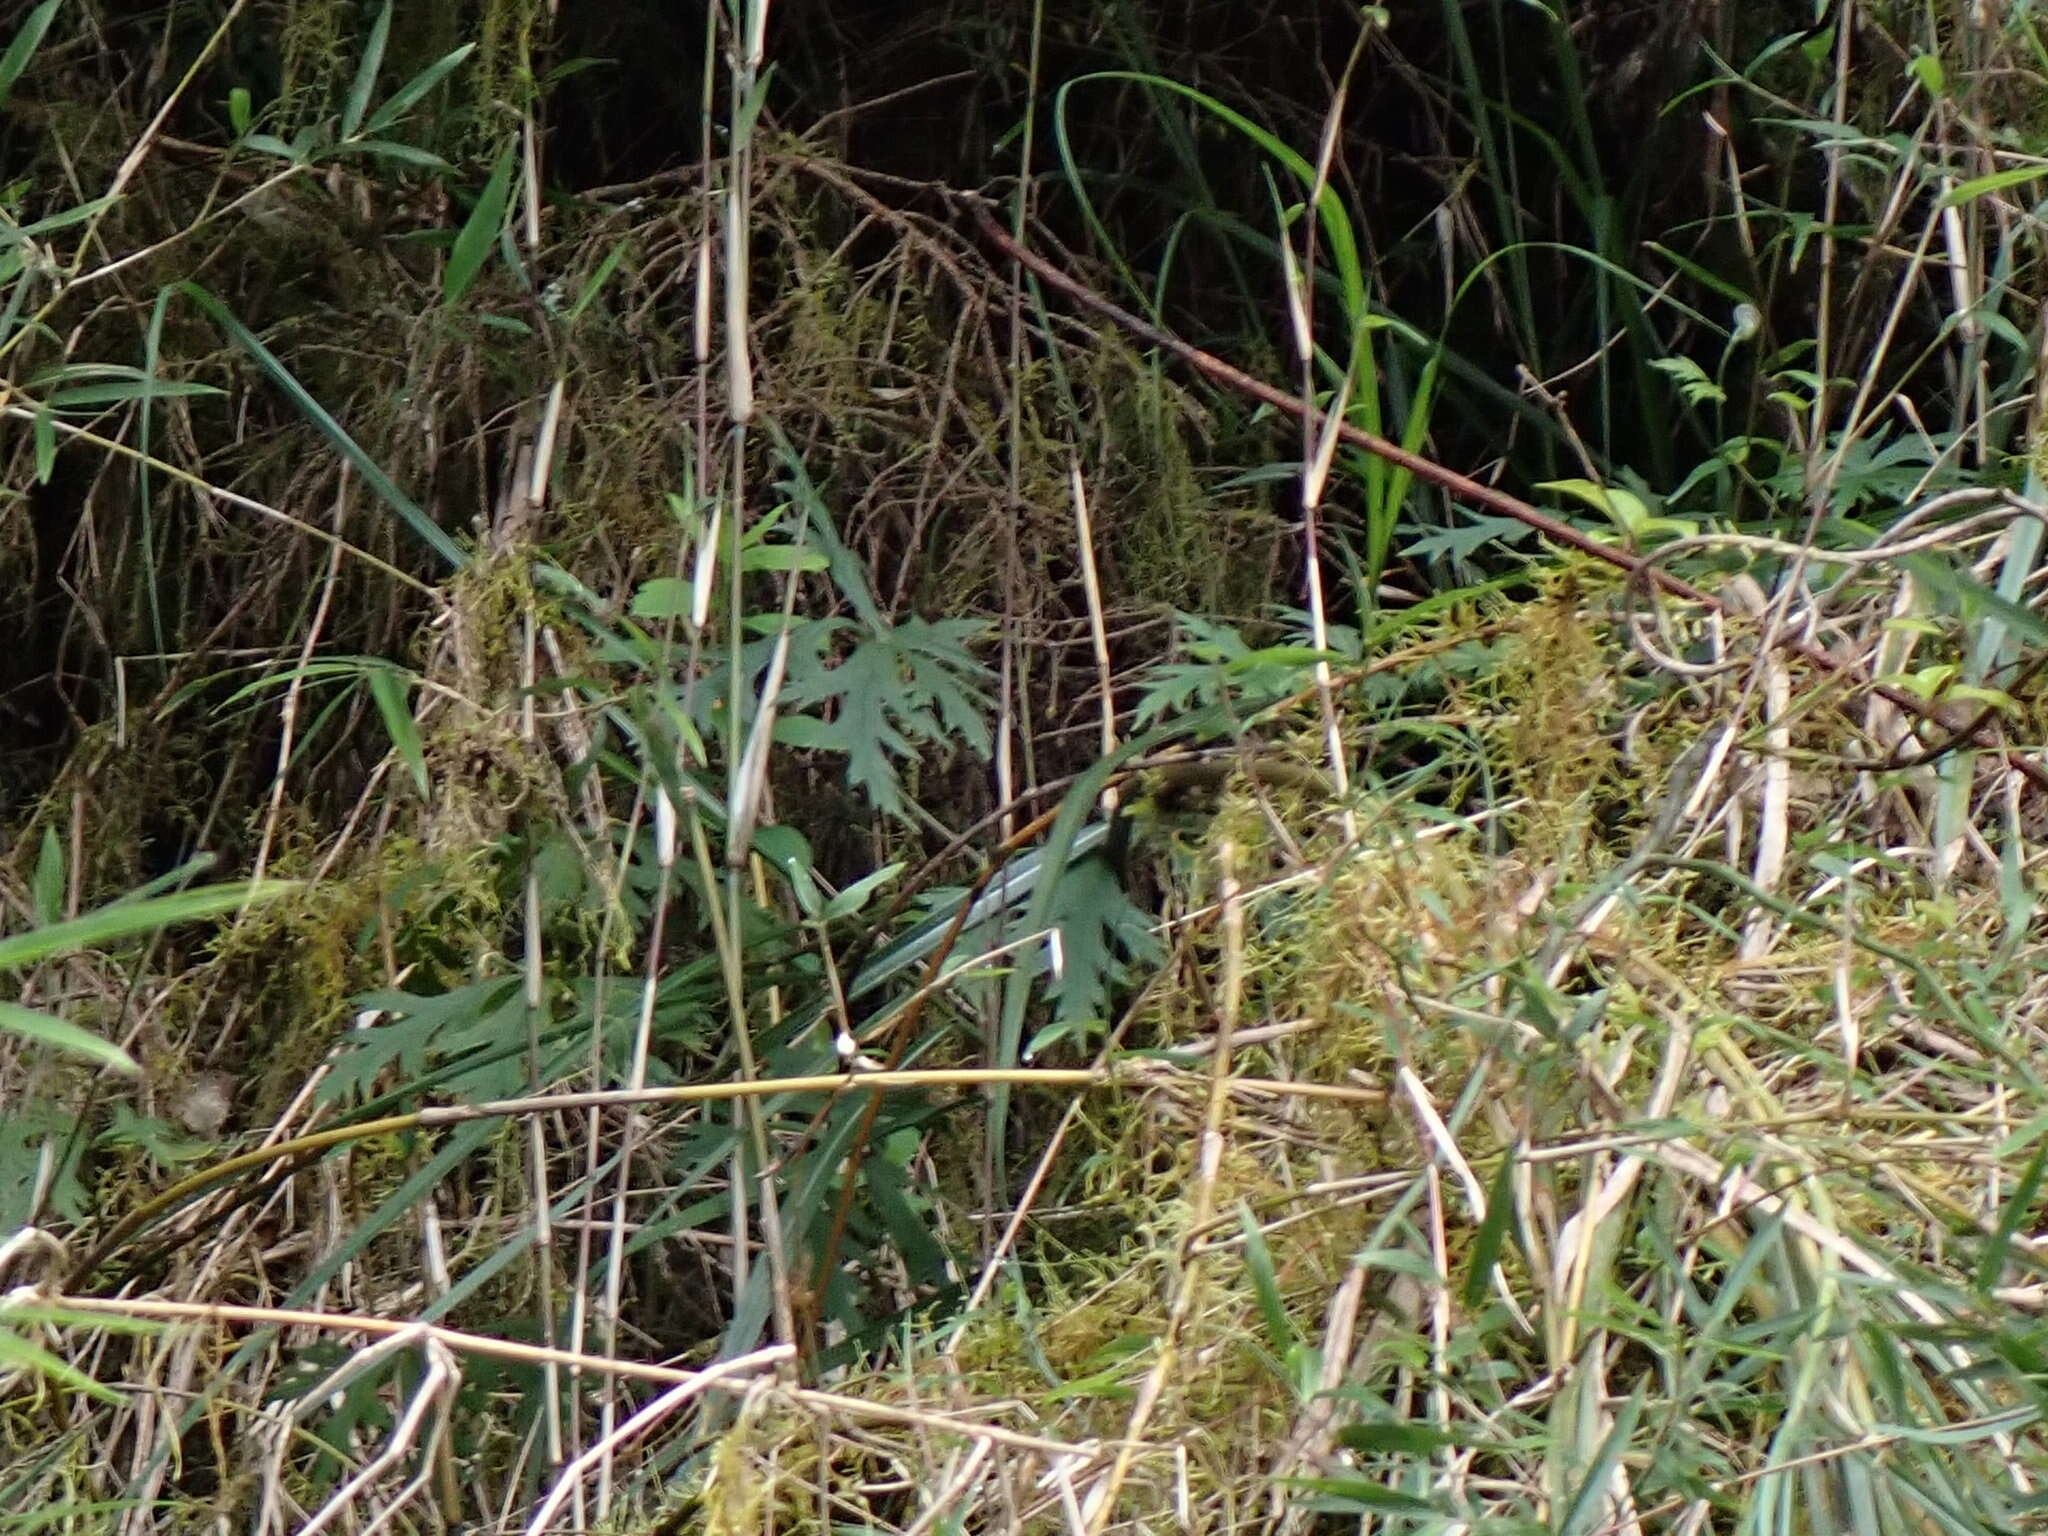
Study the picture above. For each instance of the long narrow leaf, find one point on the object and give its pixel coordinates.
(19, 1355)
(366, 73)
(435, 537)
(52, 1031)
(25, 43)
(479, 232)
(392, 692)
(124, 920)
(407, 96)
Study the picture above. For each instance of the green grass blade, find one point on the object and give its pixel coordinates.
(18, 1354)
(63, 1036)
(392, 692)
(409, 94)
(2019, 1208)
(126, 919)
(1589, 1505)
(430, 533)
(479, 232)
(366, 73)
(25, 43)
(1493, 1232)
(1258, 1260)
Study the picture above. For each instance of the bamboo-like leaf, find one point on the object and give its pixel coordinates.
(479, 231)
(597, 281)
(435, 537)
(25, 43)
(64, 219)
(1493, 1232)
(64, 1036)
(1258, 1262)
(366, 73)
(1982, 186)
(390, 149)
(44, 431)
(1589, 1505)
(857, 895)
(19, 1355)
(93, 396)
(127, 918)
(48, 890)
(271, 144)
(145, 479)
(408, 95)
(392, 692)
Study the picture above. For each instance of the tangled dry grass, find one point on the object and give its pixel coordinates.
(1594, 1089)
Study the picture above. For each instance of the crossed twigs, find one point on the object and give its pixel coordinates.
(1973, 732)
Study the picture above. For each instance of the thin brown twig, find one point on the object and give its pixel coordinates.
(1461, 486)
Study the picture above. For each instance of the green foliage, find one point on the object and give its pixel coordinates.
(1223, 668)
(139, 914)
(895, 692)
(1616, 1107)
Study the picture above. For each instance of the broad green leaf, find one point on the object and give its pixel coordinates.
(48, 890)
(857, 895)
(52, 1031)
(1624, 509)
(392, 150)
(17, 1354)
(366, 73)
(407, 95)
(426, 1031)
(784, 557)
(1989, 698)
(1463, 541)
(661, 597)
(472, 246)
(25, 43)
(1101, 932)
(1927, 69)
(911, 686)
(127, 918)
(789, 851)
(391, 689)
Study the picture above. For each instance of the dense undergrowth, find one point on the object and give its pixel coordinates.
(697, 841)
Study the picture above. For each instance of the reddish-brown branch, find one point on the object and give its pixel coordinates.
(1467, 489)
